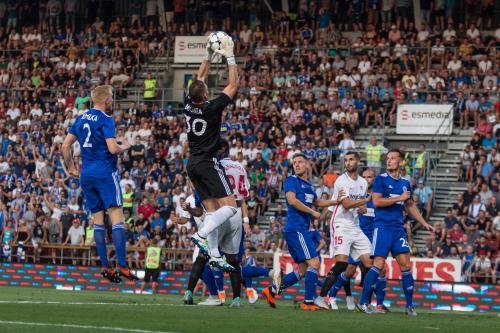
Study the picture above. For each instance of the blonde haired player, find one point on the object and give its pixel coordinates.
(99, 177)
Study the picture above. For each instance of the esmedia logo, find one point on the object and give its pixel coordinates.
(405, 114)
(424, 115)
(186, 45)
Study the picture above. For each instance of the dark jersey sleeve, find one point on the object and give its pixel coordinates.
(220, 103)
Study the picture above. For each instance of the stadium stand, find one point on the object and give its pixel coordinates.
(311, 80)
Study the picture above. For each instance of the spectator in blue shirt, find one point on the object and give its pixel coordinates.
(485, 168)
(489, 141)
(157, 220)
(141, 233)
(129, 235)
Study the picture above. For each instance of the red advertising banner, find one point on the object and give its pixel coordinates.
(443, 270)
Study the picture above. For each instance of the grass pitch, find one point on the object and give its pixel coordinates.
(46, 310)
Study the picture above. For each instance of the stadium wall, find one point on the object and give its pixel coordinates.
(428, 295)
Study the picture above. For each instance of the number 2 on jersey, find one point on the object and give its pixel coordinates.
(86, 143)
(241, 185)
(404, 242)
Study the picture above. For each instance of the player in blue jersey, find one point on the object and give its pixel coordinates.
(99, 177)
(300, 200)
(391, 196)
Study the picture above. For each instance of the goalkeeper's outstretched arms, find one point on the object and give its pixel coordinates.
(227, 51)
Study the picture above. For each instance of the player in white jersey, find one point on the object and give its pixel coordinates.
(347, 239)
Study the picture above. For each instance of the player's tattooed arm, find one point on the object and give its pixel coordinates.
(195, 211)
(412, 209)
(115, 148)
(68, 156)
(295, 203)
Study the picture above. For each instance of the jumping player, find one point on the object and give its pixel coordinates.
(347, 237)
(300, 198)
(99, 178)
(391, 195)
(203, 119)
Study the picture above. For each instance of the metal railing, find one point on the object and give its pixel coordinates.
(164, 95)
(438, 138)
(171, 259)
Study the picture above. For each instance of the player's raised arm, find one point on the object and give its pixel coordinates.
(227, 46)
(412, 209)
(205, 65)
(68, 156)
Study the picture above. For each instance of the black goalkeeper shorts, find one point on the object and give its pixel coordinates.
(208, 178)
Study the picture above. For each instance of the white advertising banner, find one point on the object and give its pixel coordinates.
(425, 119)
(189, 49)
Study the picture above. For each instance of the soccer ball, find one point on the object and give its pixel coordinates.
(214, 40)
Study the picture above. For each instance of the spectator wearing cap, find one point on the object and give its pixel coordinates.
(75, 238)
(425, 197)
(474, 208)
(482, 268)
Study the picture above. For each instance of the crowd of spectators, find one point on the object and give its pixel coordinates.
(308, 82)
(472, 226)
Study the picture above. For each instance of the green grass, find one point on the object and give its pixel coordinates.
(166, 314)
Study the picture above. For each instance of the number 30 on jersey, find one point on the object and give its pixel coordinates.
(194, 126)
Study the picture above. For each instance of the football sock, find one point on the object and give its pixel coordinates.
(255, 271)
(213, 244)
(207, 277)
(196, 270)
(288, 280)
(249, 272)
(370, 280)
(381, 285)
(310, 284)
(364, 270)
(216, 219)
(219, 278)
(408, 287)
(341, 280)
(347, 287)
(100, 243)
(331, 277)
(118, 234)
(235, 277)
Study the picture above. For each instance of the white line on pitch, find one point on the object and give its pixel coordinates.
(89, 327)
(90, 303)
